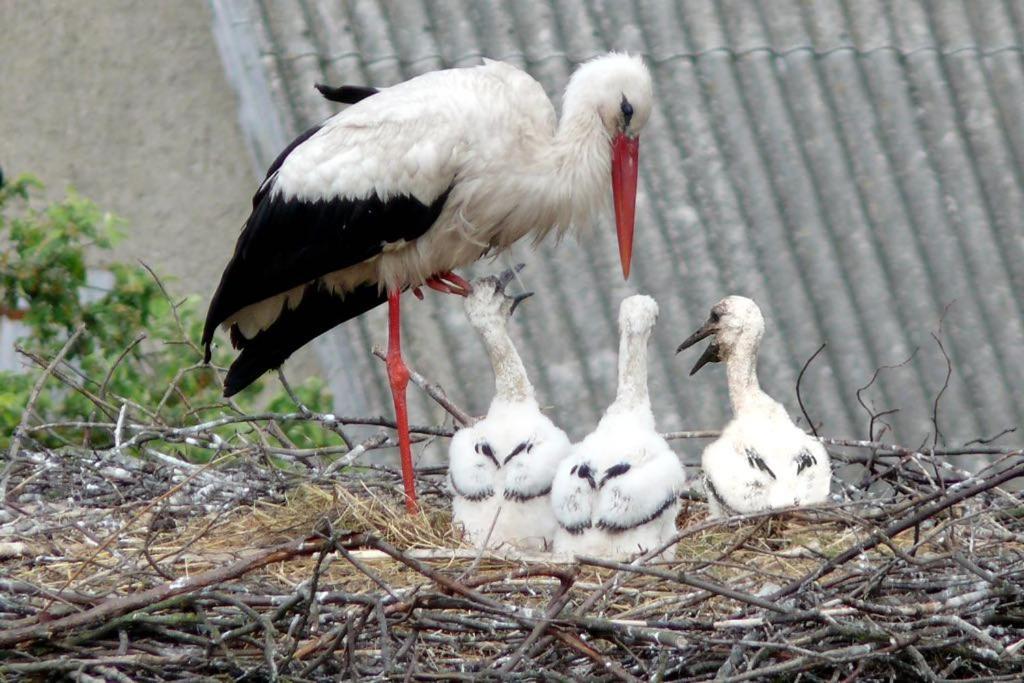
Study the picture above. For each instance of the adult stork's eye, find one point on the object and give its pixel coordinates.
(627, 109)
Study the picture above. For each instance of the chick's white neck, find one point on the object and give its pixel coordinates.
(745, 393)
(511, 384)
(632, 395)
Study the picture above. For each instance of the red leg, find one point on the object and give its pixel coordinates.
(398, 376)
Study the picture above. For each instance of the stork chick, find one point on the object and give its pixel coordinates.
(617, 494)
(500, 469)
(762, 461)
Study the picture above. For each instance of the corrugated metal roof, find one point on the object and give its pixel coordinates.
(855, 167)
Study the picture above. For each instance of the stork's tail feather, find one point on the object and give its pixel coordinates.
(318, 312)
(346, 94)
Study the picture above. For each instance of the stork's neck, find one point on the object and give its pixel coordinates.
(741, 374)
(566, 178)
(582, 156)
(510, 381)
(632, 394)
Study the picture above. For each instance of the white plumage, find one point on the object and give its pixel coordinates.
(490, 137)
(500, 469)
(412, 182)
(617, 494)
(762, 461)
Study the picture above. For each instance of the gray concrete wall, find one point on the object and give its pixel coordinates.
(126, 100)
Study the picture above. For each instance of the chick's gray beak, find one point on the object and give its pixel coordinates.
(508, 275)
(705, 331)
(518, 299)
(710, 355)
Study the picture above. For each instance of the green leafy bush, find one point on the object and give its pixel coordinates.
(138, 346)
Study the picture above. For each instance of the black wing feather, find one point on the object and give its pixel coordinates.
(804, 459)
(346, 94)
(288, 242)
(475, 497)
(266, 184)
(713, 493)
(319, 311)
(615, 471)
(615, 528)
(755, 460)
(484, 449)
(521, 448)
(521, 497)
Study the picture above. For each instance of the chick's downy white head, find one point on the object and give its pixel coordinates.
(739, 323)
(737, 326)
(488, 306)
(637, 314)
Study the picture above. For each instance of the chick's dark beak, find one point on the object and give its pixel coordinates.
(508, 275)
(518, 299)
(710, 355)
(706, 330)
(502, 281)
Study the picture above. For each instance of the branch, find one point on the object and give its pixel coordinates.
(901, 525)
(116, 607)
(872, 415)
(435, 392)
(800, 399)
(34, 396)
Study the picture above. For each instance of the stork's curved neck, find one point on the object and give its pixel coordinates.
(581, 152)
(741, 374)
(566, 176)
(632, 394)
(510, 381)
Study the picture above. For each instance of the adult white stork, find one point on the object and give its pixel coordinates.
(762, 461)
(500, 469)
(412, 182)
(617, 493)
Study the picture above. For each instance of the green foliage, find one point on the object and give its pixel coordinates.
(137, 347)
(42, 256)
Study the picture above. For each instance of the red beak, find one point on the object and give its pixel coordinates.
(625, 151)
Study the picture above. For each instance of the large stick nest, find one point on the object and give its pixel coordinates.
(129, 563)
(124, 568)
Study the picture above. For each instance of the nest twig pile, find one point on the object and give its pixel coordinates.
(275, 562)
(160, 570)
